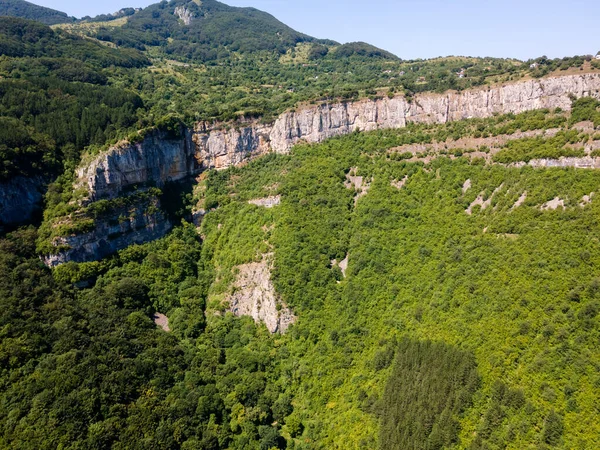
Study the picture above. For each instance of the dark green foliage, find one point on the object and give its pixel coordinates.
(27, 10)
(362, 49)
(123, 12)
(430, 386)
(53, 98)
(23, 151)
(88, 368)
(504, 403)
(543, 65)
(215, 32)
(318, 51)
(553, 429)
(20, 37)
(56, 120)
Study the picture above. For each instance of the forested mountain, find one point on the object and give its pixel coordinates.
(430, 284)
(467, 311)
(54, 97)
(204, 30)
(27, 10)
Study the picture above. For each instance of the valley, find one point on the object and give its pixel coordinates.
(217, 232)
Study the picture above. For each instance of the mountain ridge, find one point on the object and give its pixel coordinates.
(28, 10)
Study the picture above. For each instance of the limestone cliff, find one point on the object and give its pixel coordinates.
(218, 147)
(255, 296)
(120, 227)
(207, 146)
(161, 157)
(317, 123)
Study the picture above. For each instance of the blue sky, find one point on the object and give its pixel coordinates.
(424, 28)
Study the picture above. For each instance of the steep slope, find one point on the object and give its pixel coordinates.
(471, 330)
(54, 102)
(160, 158)
(483, 326)
(27, 10)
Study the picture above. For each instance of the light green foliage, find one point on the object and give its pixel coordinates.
(539, 148)
(586, 108)
(511, 293)
(514, 286)
(433, 299)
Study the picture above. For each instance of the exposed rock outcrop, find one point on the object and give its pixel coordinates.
(317, 123)
(267, 202)
(553, 204)
(218, 147)
(115, 231)
(184, 14)
(255, 296)
(161, 157)
(161, 321)
(484, 204)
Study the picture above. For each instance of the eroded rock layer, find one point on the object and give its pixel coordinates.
(160, 157)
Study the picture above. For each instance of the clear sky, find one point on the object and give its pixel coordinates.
(423, 28)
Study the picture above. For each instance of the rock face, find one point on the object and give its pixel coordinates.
(267, 202)
(161, 157)
(117, 230)
(184, 14)
(321, 122)
(255, 296)
(157, 159)
(19, 199)
(219, 148)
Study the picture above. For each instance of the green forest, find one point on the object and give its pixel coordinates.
(27, 10)
(444, 291)
(470, 331)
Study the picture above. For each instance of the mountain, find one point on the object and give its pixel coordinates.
(219, 233)
(206, 30)
(434, 285)
(27, 10)
(55, 101)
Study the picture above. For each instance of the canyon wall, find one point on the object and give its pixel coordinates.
(218, 146)
(119, 228)
(160, 157)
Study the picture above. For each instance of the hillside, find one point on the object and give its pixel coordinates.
(217, 232)
(407, 257)
(55, 101)
(203, 31)
(27, 10)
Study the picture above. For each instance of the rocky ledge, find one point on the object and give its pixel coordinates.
(160, 157)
